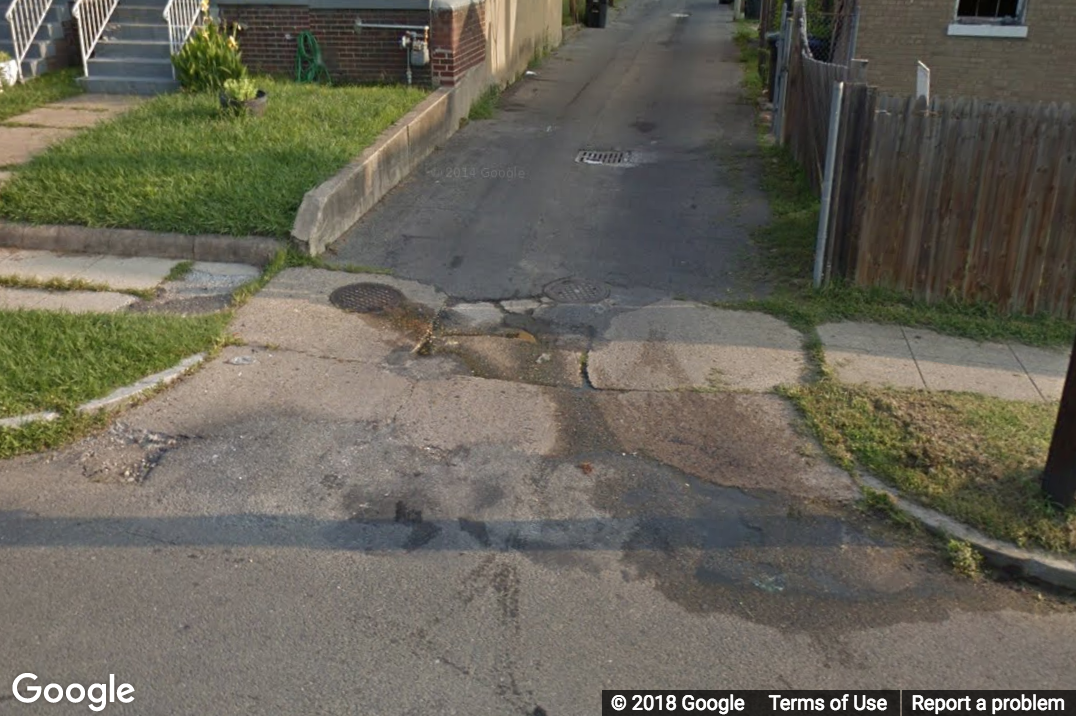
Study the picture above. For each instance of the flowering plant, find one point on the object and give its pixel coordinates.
(210, 57)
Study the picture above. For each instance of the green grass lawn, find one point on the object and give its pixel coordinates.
(973, 457)
(39, 91)
(177, 164)
(57, 361)
(784, 260)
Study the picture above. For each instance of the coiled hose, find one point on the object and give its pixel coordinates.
(309, 66)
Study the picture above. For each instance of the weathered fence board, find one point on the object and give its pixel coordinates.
(957, 199)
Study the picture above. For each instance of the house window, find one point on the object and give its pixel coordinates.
(1001, 12)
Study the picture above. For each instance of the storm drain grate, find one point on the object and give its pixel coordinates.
(576, 290)
(366, 297)
(605, 158)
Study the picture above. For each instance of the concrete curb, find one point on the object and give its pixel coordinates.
(116, 397)
(1035, 564)
(333, 207)
(253, 250)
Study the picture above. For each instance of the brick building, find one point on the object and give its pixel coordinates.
(464, 35)
(1020, 50)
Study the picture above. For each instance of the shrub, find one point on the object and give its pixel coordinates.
(241, 89)
(210, 58)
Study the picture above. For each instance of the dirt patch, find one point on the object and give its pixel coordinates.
(729, 439)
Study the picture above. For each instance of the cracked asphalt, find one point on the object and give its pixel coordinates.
(545, 500)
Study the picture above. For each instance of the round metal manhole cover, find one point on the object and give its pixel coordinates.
(366, 297)
(577, 290)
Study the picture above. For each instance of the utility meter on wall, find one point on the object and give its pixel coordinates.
(419, 48)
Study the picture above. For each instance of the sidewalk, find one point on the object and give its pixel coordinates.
(26, 135)
(126, 277)
(918, 358)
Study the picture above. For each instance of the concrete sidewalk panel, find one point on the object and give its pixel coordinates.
(1046, 367)
(927, 345)
(463, 411)
(683, 346)
(61, 118)
(128, 273)
(316, 330)
(100, 102)
(12, 299)
(84, 301)
(276, 382)
(46, 265)
(873, 338)
(858, 368)
(986, 380)
(20, 144)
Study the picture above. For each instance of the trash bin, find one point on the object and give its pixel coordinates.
(819, 47)
(773, 40)
(597, 12)
(752, 9)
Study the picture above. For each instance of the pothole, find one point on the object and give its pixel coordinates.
(366, 298)
(577, 290)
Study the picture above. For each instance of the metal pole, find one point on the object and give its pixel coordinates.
(827, 182)
(782, 78)
(1059, 478)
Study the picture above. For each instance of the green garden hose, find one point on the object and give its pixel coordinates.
(309, 66)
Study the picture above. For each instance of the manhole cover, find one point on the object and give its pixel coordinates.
(366, 297)
(605, 158)
(576, 290)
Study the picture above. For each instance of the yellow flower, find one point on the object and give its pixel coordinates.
(205, 5)
(232, 44)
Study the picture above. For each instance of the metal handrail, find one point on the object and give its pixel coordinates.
(91, 25)
(180, 16)
(25, 18)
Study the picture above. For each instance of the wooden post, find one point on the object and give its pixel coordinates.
(1059, 478)
(858, 71)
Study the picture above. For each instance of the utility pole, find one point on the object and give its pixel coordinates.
(1059, 478)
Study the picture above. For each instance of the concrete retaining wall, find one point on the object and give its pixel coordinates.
(514, 32)
(333, 207)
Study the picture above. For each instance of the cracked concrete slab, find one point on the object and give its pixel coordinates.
(682, 346)
(716, 438)
(506, 358)
(460, 411)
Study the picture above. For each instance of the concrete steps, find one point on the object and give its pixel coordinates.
(133, 55)
(44, 46)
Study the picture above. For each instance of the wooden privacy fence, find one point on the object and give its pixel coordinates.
(808, 106)
(959, 198)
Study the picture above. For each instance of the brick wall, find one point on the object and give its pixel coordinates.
(894, 34)
(268, 41)
(458, 41)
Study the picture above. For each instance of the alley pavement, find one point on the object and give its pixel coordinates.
(494, 493)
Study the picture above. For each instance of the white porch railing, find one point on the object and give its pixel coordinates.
(25, 18)
(93, 17)
(180, 16)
